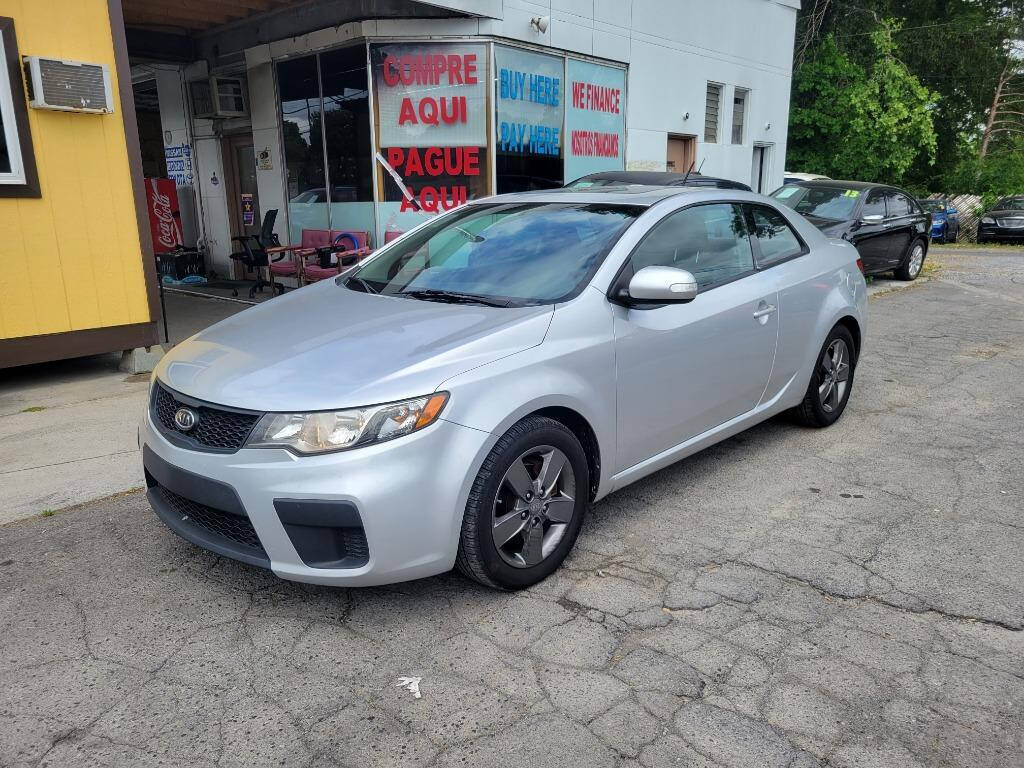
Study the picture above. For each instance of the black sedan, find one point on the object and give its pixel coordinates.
(654, 179)
(887, 225)
(1004, 223)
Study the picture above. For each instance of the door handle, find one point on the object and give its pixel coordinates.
(764, 311)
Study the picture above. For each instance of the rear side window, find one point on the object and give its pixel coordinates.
(899, 205)
(775, 238)
(710, 241)
(875, 204)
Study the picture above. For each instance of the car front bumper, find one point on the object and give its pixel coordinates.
(373, 515)
(995, 232)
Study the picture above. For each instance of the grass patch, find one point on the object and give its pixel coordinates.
(33, 409)
(981, 247)
(48, 513)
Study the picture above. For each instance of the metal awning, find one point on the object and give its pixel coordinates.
(195, 15)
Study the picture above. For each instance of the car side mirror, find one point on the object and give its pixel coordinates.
(872, 218)
(662, 285)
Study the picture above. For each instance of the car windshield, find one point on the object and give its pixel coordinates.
(836, 203)
(933, 206)
(1010, 204)
(504, 254)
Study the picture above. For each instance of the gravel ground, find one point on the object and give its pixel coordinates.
(847, 597)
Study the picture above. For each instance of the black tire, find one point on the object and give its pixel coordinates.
(907, 270)
(812, 412)
(478, 556)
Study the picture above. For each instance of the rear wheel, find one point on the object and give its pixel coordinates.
(913, 262)
(526, 506)
(831, 381)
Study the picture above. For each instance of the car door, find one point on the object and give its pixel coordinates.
(682, 369)
(900, 224)
(870, 234)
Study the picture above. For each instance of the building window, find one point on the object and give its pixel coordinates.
(530, 105)
(325, 128)
(432, 109)
(711, 112)
(17, 164)
(739, 114)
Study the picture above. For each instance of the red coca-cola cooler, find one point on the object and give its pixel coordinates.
(175, 260)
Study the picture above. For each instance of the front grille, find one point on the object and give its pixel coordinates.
(217, 429)
(234, 528)
(1010, 223)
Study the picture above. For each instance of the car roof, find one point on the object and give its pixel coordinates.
(838, 183)
(642, 195)
(658, 178)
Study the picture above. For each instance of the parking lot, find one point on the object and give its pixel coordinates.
(846, 597)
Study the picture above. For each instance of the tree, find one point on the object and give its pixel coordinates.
(957, 48)
(849, 121)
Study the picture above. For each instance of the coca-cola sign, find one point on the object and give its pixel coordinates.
(164, 214)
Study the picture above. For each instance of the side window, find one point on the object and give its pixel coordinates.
(775, 237)
(709, 241)
(874, 204)
(899, 205)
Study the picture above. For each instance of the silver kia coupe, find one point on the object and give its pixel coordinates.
(465, 394)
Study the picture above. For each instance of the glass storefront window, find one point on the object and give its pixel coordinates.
(325, 121)
(554, 119)
(346, 102)
(595, 119)
(432, 106)
(530, 107)
(298, 84)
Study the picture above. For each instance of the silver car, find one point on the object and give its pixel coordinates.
(463, 396)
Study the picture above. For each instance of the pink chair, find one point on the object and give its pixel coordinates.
(347, 246)
(294, 266)
(390, 235)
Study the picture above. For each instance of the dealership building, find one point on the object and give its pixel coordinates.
(366, 116)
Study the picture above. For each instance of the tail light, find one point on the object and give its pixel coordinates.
(860, 264)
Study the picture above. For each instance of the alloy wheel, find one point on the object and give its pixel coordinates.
(835, 375)
(534, 506)
(916, 260)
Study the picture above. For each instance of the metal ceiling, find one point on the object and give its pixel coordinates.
(194, 15)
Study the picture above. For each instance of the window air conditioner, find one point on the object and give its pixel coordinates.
(219, 97)
(70, 86)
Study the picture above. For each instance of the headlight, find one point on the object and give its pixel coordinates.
(988, 220)
(326, 431)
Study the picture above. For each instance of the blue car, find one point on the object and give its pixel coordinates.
(945, 219)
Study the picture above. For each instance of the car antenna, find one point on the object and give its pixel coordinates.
(688, 171)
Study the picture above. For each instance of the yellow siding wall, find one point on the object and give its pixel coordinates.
(71, 259)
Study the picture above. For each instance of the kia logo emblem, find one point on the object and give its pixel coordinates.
(185, 419)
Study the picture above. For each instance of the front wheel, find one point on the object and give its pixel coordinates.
(912, 264)
(526, 506)
(831, 381)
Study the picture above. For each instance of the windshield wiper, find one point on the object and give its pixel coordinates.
(453, 297)
(469, 235)
(367, 288)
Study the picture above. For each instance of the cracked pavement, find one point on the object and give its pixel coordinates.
(789, 598)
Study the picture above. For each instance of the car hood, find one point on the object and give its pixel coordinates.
(325, 346)
(830, 227)
(1005, 214)
(938, 216)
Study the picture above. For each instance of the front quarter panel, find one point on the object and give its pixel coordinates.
(573, 368)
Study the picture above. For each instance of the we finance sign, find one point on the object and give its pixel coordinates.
(595, 119)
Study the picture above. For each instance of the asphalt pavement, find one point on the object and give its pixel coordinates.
(789, 598)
